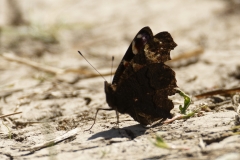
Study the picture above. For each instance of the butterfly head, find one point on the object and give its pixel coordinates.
(110, 93)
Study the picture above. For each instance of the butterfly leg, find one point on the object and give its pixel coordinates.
(98, 109)
(117, 115)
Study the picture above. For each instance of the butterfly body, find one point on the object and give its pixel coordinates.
(142, 82)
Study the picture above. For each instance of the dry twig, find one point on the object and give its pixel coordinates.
(46, 68)
(186, 55)
(50, 69)
(7, 115)
(219, 91)
(53, 141)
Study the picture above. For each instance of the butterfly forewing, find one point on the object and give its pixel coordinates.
(137, 44)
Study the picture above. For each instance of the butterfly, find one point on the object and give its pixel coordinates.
(142, 82)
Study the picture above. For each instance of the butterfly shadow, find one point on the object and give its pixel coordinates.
(130, 132)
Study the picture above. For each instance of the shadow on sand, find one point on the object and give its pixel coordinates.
(131, 132)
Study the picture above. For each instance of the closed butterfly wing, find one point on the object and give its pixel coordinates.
(142, 82)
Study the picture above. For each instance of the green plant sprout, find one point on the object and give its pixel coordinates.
(187, 102)
(159, 142)
(183, 109)
(192, 113)
(187, 114)
(103, 154)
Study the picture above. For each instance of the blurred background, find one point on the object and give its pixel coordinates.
(51, 32)
(53, 89)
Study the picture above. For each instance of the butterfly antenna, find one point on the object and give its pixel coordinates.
(92, 65)
(111, 68)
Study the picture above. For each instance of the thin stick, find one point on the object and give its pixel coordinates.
(53, 141)
(45, 68)
(7, 115)
(50, 69)
(189, 54)
(219, 91)
(6, 93)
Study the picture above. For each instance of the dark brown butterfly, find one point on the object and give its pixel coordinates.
(142, 82)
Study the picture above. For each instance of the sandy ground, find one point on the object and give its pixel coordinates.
(58, 100)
